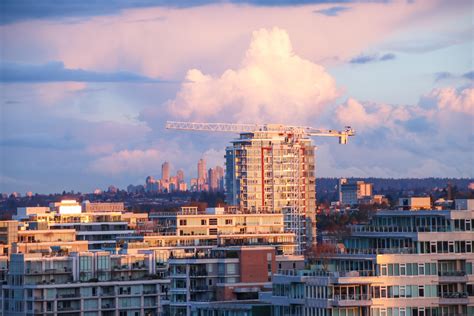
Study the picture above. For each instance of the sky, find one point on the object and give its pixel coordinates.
(87, 86)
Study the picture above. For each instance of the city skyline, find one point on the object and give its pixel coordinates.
(99, 117)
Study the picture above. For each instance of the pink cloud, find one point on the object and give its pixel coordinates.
(452, 100)
(273, 83)
(126, 161)
(212, 35)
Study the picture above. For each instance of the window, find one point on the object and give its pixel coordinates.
(451, 246)
(182, 222)
(421, 269)
(228, 222)
(396, 269)
(421, 291)
(383, 269)
(213, 221)
(403, 269)
(402, 292)
(203, 222)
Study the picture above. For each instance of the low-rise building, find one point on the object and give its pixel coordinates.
(84, 283)
(351, 192)
(190, 228)
(222, 274)
(401, 263)
(415, 203)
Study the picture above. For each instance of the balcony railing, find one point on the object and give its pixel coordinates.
(352, 297)
(337, 274)
(397, 229)
(454, 295)
(452, 273)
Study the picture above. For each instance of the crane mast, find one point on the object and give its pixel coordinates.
(249, 128)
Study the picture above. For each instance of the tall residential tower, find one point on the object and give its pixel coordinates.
(270, 169)
(273, 171)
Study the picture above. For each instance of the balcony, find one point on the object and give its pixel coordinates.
(200, 288)
(453, 298)
(452, 276)
(352, 300)
(68, 296)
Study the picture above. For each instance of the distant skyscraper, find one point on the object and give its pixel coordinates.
(165, 171)
(173, 184)
(180, 175)
(194, 185)
(220, 178)
(215, 179)
(212, 179)
(151, 185)
(202, 171)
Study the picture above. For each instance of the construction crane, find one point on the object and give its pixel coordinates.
(250, 128)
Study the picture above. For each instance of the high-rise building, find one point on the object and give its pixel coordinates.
(151, 185)
(215, 179)
(220, 178)
(165, 171)
(272, 170)
(202, 171)
(180, 175)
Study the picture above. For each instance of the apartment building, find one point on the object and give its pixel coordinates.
(219, 227)
(84, 283)
(43, 241)
(273, 169)
(98, 224)
(221, 274)
(8, 235)
(90, 207)
(402, 263)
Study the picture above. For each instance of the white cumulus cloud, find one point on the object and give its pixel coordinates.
(272, 84)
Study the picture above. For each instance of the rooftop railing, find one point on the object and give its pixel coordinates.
(336, 274)
(397, 229)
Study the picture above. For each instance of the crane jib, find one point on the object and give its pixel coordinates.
(252, 128)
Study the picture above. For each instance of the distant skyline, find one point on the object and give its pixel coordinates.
(86, 87)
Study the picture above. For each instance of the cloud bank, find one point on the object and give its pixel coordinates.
(55, 71)
(126, 161)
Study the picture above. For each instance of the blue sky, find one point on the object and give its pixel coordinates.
(85, 87)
